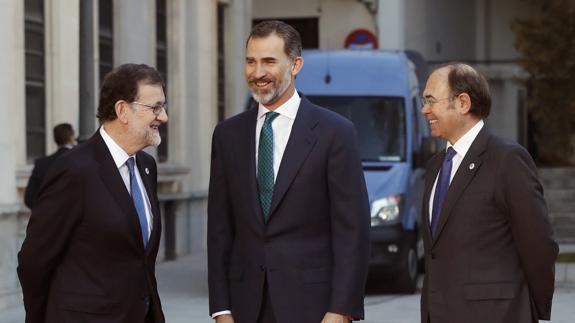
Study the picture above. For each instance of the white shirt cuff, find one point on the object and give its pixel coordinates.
(216, 314)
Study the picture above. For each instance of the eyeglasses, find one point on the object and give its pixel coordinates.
(431, 101)
(156, 109)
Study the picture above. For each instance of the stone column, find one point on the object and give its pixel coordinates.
(135, 32)
(135, 35)
(192, 73)
(482, 26)
(89, 68)
(238, 21)
(12, 85)
(62, 65)
(12, 143)
(391, 24)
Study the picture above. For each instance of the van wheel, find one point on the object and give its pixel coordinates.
(406, 279)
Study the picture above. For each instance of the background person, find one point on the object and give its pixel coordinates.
(65, 139)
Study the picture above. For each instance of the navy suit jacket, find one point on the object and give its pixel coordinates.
(83, 258)
(493, 256)
(314, 249)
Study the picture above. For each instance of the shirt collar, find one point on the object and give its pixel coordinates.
(464, 143)
(118, 154)
(288, 109)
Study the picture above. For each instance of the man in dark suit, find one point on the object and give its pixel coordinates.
(489, 248)
(92, 240)
(288, 215)
(65, 139)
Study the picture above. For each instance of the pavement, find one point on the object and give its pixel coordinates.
(183, 289)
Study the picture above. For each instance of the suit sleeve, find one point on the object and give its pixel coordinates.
(32, 187)
(220, 231)
(350, 221)
(58, 210)
(530, 227)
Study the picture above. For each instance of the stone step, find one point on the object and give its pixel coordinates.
(560, 206)
(564, 234)
(564, 240)
(559, 183)
(559, 195)
(559, 188)
(561, 178)
(562, 218)
(556, 172)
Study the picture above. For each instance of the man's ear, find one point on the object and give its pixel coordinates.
(121, 108)
(464, 101)
(297, 65)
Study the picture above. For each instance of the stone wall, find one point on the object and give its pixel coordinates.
(12, 229)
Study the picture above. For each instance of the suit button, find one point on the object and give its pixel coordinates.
(432, 255)
(262, 268)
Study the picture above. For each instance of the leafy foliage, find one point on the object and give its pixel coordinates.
(546, 43)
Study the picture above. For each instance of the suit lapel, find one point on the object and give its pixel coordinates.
(144, 170)
(462, 178)
(112, 179)
(301, 141)
(432, 171)
(246, 150)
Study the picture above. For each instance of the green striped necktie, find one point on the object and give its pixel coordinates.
(266, 164)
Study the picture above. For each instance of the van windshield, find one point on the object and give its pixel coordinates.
(379, 123)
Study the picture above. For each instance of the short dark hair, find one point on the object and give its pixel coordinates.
(122, 84)
(290, 36)
(63, 134)
(463, 78)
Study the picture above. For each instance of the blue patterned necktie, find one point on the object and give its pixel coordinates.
(138, 200)
(266, 164)
(441, 188)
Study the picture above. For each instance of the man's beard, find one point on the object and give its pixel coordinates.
(276, 91)
(154, 138)
(151, 137)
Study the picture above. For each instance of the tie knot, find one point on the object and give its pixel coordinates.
(130, 163)
(270, 116)
(450, 153)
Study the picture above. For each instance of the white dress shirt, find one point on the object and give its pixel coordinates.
(120, 157)
(281, 127)
(461, 147)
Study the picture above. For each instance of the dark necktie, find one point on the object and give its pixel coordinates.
(138, 200)
(441, 188)
(266, 164)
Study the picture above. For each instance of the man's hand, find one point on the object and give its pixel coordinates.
(335, 318)
(225, 318)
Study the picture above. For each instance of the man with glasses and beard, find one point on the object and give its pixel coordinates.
(93, 237)
(288, 213)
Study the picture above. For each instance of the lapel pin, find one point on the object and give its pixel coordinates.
(471, 166)
(147, 171)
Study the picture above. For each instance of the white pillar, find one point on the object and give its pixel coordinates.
(192, 72)
(12, 143)
(62, 65)
(391, 24)
(135, 32)
(238, 21)
(12, 91)
(192, 93)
